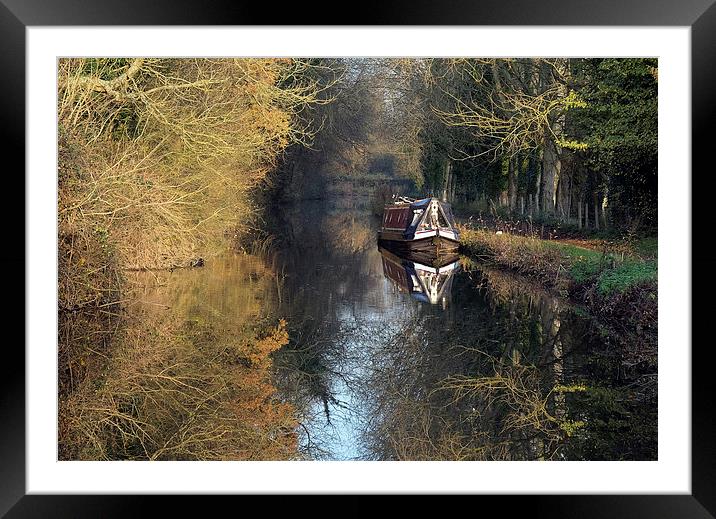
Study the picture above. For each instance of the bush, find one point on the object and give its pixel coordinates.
(161, 153)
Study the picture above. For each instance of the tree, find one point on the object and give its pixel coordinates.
(618, 125)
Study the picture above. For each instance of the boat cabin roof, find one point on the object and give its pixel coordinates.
(408, 223)
(423, 202)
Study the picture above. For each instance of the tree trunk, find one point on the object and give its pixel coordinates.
(551, 167)
(561, 193)
(512, 183)
(579, 214)
(605, 201)
(504, 199)
(596, 211)
(538, 190)
(586, 215)
(447, 180)
(551, 160)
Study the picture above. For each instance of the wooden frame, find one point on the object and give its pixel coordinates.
(700, 15)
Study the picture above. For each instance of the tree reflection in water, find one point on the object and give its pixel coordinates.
(498, 370)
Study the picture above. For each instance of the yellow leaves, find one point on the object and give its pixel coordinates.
(202, 103)
(572, 145)
(570, 427)
(654, 71)
(569, 389)
(273, 422)
(263, 70)
(261, 349)
(574, 100)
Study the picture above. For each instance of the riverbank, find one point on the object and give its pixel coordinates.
(158, 160)
(615, 282)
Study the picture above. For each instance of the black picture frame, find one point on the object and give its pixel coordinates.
(699, 15)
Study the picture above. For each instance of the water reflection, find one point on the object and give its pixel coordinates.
(189, 376)
(498, 370)
(372, 368)
(425, 276)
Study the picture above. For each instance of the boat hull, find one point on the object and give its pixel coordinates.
(436, 244)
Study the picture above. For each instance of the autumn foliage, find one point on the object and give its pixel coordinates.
(156, 162)
(179, 387)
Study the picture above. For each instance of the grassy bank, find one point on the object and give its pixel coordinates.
(616, 282)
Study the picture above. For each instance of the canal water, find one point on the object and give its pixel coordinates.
(392, 359)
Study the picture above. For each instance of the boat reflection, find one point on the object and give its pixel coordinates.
(426, 276)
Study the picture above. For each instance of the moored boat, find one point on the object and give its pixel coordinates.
(426, 223)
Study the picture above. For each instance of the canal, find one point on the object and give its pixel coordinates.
(388, 358)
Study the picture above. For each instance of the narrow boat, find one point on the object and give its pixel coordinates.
(427, 278)
(426, 224)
